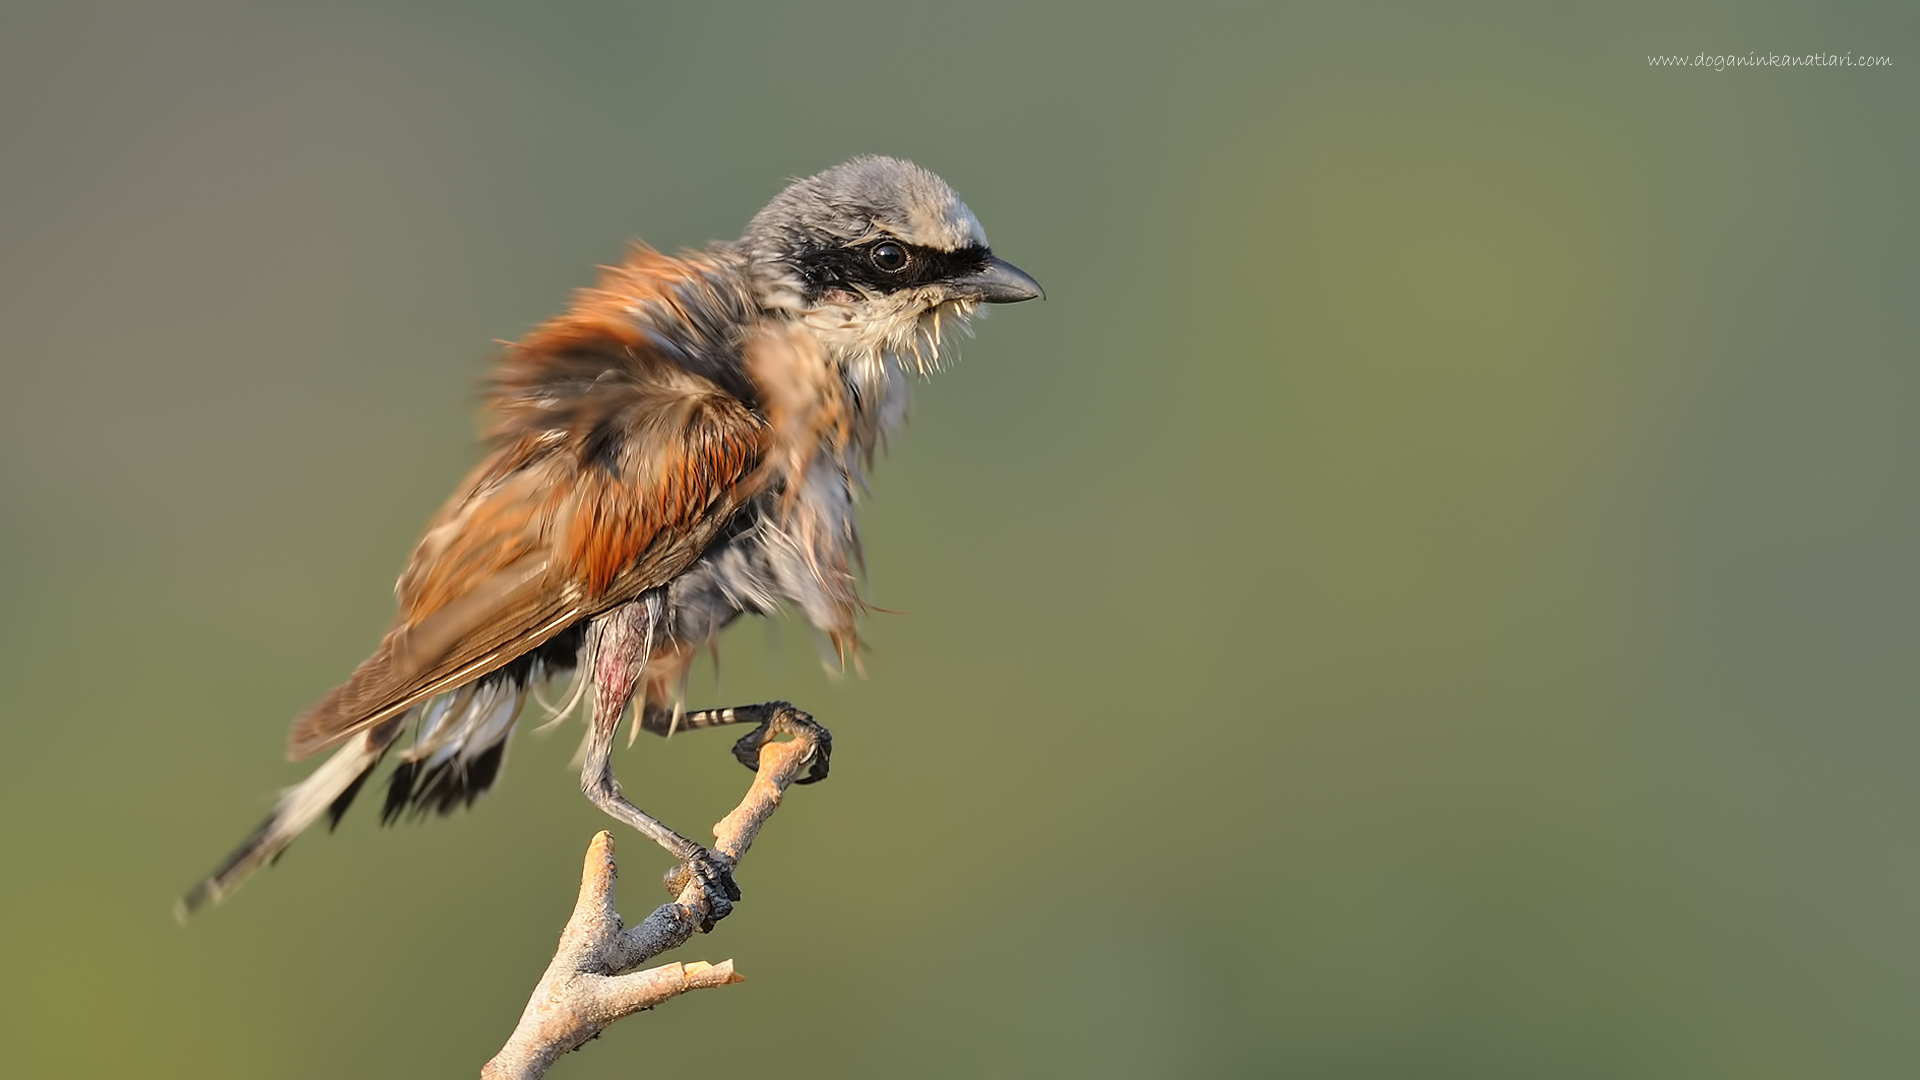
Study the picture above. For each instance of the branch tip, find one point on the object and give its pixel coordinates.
(591, 982)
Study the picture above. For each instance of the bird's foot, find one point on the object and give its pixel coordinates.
(789, 721)
(714, 874)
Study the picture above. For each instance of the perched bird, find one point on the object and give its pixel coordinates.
(681, 447)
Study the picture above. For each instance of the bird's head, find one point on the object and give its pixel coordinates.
(873, 253)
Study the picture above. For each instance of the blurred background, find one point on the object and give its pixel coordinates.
(1431, 593)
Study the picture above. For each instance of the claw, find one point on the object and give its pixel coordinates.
(715, 877)
(787, 720)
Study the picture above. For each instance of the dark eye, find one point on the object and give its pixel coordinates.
(889, 257)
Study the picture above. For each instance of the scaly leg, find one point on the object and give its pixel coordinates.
(774, 718)
(618, 653)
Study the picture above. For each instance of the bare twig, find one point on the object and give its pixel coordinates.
(586, 987)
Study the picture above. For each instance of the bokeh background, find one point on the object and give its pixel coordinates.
(1431, 593)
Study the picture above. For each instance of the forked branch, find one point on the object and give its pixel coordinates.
(591, 981)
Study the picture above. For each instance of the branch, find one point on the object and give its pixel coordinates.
(586, 987)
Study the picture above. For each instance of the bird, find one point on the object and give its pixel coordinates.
(684, 445)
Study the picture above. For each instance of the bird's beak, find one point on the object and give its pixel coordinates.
(999, 282)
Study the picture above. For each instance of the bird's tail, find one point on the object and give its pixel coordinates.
(331, 786)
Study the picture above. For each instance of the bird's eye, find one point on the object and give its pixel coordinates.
(889, 257)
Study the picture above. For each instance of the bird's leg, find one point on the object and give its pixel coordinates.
(774, 718)
(618, 652)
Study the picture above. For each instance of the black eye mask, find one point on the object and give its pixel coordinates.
(857, 267)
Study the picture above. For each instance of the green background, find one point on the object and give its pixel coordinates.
(1431, 593)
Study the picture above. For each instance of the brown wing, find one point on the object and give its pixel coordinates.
(619, 466)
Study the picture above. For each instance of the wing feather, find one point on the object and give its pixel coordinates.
(618, 466)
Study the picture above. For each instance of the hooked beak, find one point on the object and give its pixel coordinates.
(999, 282)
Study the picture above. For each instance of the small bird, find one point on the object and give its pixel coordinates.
(683, 446)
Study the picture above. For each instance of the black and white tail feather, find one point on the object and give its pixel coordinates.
(458, 750)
